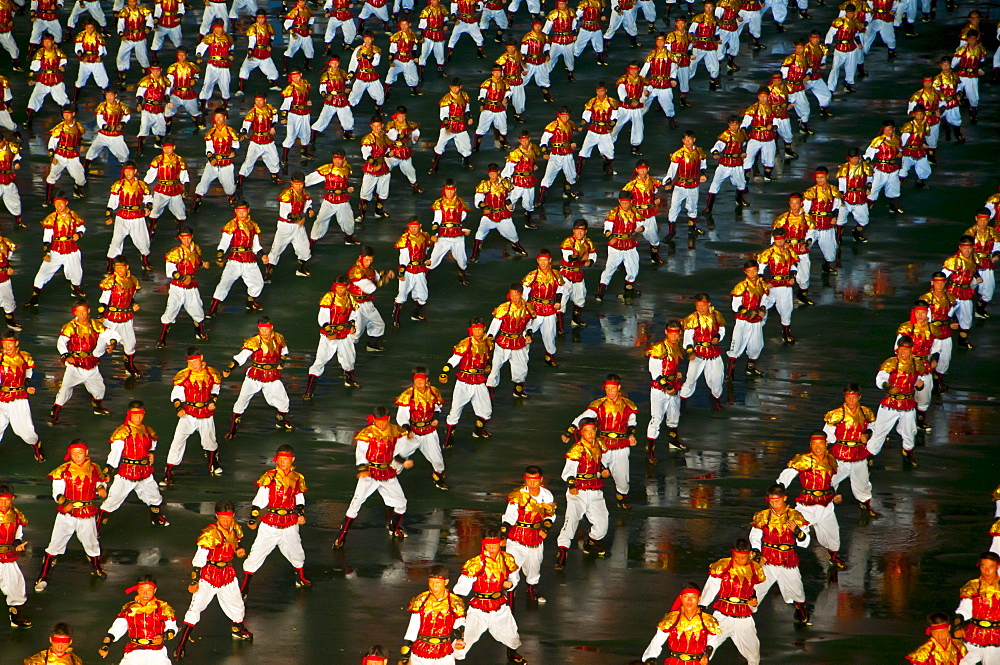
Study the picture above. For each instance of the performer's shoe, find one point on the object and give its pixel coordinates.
(622, 501)
(909, 459)
(514, 657)
(479, 431)
(866, 507)
(344, 528)
(836, 561)
(245, 584)
(36, 450)
(349, 381)
(98, 407)
(752, 370)
(179, 652)
(651, 452)
(234, 426)
(240, 631)
(595, 547)
(519, 391)
(43, 576)
(802, 614)
(282, 422)
(301, 582)
(673, 439)
(439, 481)
(168, 476)
(17, 619)
(156, 516)
(395, 530)
(561, 558)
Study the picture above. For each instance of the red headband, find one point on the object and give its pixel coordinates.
(736, 551)
(532, 475)
(820, 437)
(196, 355)
(224, 513)
(372, 418)
(852, 392)
(684, 592)
(374, 659)
(282, 453)
(7, 495)
(547, 255)
(476, 325)
(936, 626)
(492, 541)
(266, 324)
(420, 375)
(938, 279)
(673, 328)
(60, 639)
(135, 587)
(137, 410)
(71, 448)
(611, 382)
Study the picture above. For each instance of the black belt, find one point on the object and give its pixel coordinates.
(472, 371)
(79, 504)
(197, 405)
(143, 641)
(781, 547)
(544, 301)
(827, 492)
(586, 476)
(170, 183)
(280, 511)
(613, 435)
(379, 465)
(431, 639)
(704, 345)
(139, 462)
(420, 423)
(496, 595)
(239, 249)
(985, 623)
(523, 174)
(901, 396)
(850, 444)
(687, 656)
(219, 564)
(733, 600)
(265, 366)
(11, 389)
(620, 236)
(118, 310)
(529, 525)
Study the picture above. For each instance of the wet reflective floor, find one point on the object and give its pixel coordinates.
(687, 510)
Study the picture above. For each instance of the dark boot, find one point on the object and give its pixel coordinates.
(547, 96)
(577, 319)
(97, 408)
(101, 519)
(240, 632)
(282, 422)
(54, 414)
(252, 304)
(438, 480)
(476, 247)
(302, 269)
(168, 476)
(560, 323)
(342, 536)
(894, 207)
(533, 594)
(518, 249)
(213, 308)
(751, 369)
(561, 558)
(434, 165)
(803, 296)
(654, 255)
(859, 234)
(828, 268)
(922, 421)
(519, 391)
(396, 309)
(786, 335)
(449, 436)
(199, 331)
(234, 425)
(37, 452)
(214, 469)
(599, 296)
(673, 439)
(310, 386)
(395, 530)
(708, 204)
(609, 166)
(477, 142)
(622, 501)
(349, 381)
(479, 431)
(541, 196)
(463, 277)
(730, 368)
(550, 360)
(156, 516)
(630, 291)
(651, 451)
(416, 315)
(17, 619)
(741, 198)
(980, 308)
(32, 300)
(182, 644)
(802, 614)
(130, 365)
(467, 163)
(245, 584)
(162, 341)
(43, 576)
(866, 506)
(300, 579)
(268, 271)
(512, 655)
(909, 459)
(963, 339)
(693, 230)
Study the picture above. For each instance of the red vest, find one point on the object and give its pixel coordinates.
(80, 490)
(381, 449)
(198, 390)
(282, 489)
(138, 441)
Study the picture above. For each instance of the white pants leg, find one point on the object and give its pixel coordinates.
(74, 376)
(741, 630)
(146, 490)
(65, 527)
(943, 347)
(70, 264)
(146, 657)
(287, 541)
(274, 394)
(12, 584)
(414, 286)
(126, 331)
(988, 655)
(789, 581)
(462, 142)
(904, 421)
(188, 299)
(585, 503)
(546, 325)
(429, 445)
(230, 600)
(17, 414)
(528, 559)
(287, 234)
(629, 258)
(747, 337)
(499, 622)
(616, 461)
(186, 426)
(464, 393)
(343, 349)
(454, 246)
(823, 520)
(235, 270)
(861, 486)
(390, 491)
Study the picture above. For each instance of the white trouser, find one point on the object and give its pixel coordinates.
(135, 229)
(114, 144)
(711, 59)
(861, 486)
(287, 234)
(625, 20)
(540, 73)
(297, 128)
(683, 197)
(70, 263)
(230, 600)
(405, 167)
(274, 394)
(212, 11)
(921, 166)
(963, 313)
(146, 657)
(462, 142)
(783, 303)
(887, 181)
(348, 30)
(186, 426)
(546, 327)
(414, 286)
(429, 445)
(528, 560)
(126, 334)
(988, 285)
(374, 185)
(215, 77)
(564, 51)
(369, 320)
(17, 414)
(9, 45)
(464, 393)
(367, 11)
(615, 460)
(268, 152)
(126, 49)
(91, 379)
(407, 69)
(7, 297)
(498, 16)
(970, 86)
(65, 527)
(298, 43)
(713, 370)
(525, 196)
(161, 34)
(210, 173)
(430, 47)
(881, 28)
(784, 127)
(616, 257)
(574, 291)
(823, 520)
(518, 359)
(634, 117)
(453, 245)
(923, 395)
(764, 148)
(461, 28)
(12, 584)
(534, 6)
(40, 27)
(328, 349)
(826, 240)
(189, 299)
(741, 630)
(499, 622)
(585, 503)
(5, 120)
(683, 75)
(248, 6)
(593, 38)
(933, 134)
(146, 489)
(287, 541)
(266, 67)
(987, 655)
(821, 91)
(73, 165)
(235, 270)
(326, 114)
(857, 210)
(192, 106)
(492, 119)
(39, 92)
(802, 268)
(343, 214)
(842, 60)
(729, 43)
(789, 581)
(747, 337)
(390, 490)
(374, 89)
(942, 347)
(152, 124)
(504, 227)
(734, 174)
(663, 408)
(665, 96)
(95, 69)
(751, 19)
(557, 163)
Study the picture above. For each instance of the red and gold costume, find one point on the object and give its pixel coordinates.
(706, 330)
(263, 40)
(154, 97)
(624, 225)
(418, 247)
(523, 160)
(261, 120)
(452, 212)
(183, 76)
(493, 95)
(762, 118)
(686, 637)
(690, 167)
(199, 390)
(81, 342)
(435, 629)
(561, 141)
(962, 271)
(847, 31)
(779, 534)
(562, 21)
(987, 241)
(380, 147)
(821, 210)
(644, 190)
(144, 624)
(533, 47)
(366, 57)
(380, 451)
(64, 225)
(797, 225)
(816, 479)
(980, 607)
(660, 66)
(678, 43)
(88, 46)
(857, 178)
(888, 150)
(244, 237)
(903, 377)
(112, 115)
(433, 19)
(849, 427)
(736, 586)
(496, 198)
(170, 13)
(581, 251)
(423, 406)
(122, 290)
(635, 89)
(734, 146)
(933, 652)
(751, 294)
(132, 197)
(457, 105)
(80, 488)
(220, 50)
(514, 322)
(401, 146)
(138, 441)
(916, 141)
(283, 489)
(670, 357)
(474, 360)
(513, 69)
(70, 135)
(221, 545)
(543, 291)
(615, 421)
(134, 23)
(266, 356)
(221, 141)
(488, 575)
(341, 308)
(15, 369)
(780, 263)
(51, 62)
(335, 182)
(300, 17)
(299, 94)
(970, 60)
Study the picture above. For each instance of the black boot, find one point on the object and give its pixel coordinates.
(673, 439)
(561, 558)
(344, 528)
(513, 656)
(240, 631)
(310, 386)
(395, 530)
(17, 619)
(480, 431)
(185, 634)
(282, 422)
(802, 614)
(43, 576)
(156, 516)
(751, 369)
(786, 335)
(234, 426)
(245, 584)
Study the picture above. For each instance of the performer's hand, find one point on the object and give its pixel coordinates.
(704, 660)
(466, 231)
(408, 464)
(101, 492)
(605, 474)
(192, 588)
(574, 491)
(507, 584)
(135, 307)
(151, 457)
(752, 602)
(565, 438)
(252, 527)
(180, 413)
(920, 385)
(458, 644)
(240, 552)
(31, 391)
(837, 498)
(265, 260)
(959, 634)
(362, 474)
(631, 441)
(103, 652)
(157, 641)
(226, 373)
(301, 520)
(21, 547)
(49, 258)
(109, 221)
